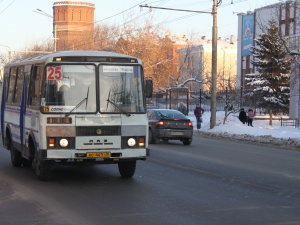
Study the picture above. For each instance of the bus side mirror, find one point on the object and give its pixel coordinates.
(149, 88)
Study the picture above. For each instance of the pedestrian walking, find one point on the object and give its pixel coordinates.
(198, 114)
(250, 115)
(243, 116)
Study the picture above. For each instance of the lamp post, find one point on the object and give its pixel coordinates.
(41, 12)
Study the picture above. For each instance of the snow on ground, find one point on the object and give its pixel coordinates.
(260, 130)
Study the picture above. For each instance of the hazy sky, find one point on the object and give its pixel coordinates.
(21, 27)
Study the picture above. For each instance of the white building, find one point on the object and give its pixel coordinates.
(195, 62)
(253, 24)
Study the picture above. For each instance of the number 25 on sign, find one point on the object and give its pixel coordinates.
(54, 73)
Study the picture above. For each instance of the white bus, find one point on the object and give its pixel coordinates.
(75, 107)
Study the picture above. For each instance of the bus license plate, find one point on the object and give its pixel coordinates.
(176, 133)
(98, 154)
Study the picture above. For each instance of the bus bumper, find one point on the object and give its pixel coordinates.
(93, 154)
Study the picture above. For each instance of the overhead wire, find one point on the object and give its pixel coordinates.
(80, 44)
(7, 7)
(119, 13)
(130, 8)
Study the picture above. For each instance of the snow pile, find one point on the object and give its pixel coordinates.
(261, 132)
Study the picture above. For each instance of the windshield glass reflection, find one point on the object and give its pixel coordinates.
(68, 85)
(121, 89)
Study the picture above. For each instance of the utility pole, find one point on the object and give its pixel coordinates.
(216, 3)
(213, 103)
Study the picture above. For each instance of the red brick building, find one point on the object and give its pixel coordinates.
(73, 23)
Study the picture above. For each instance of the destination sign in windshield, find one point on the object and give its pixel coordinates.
(117, 69)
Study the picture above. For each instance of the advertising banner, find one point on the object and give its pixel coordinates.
(248, 34)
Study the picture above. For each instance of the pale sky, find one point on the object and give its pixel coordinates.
(21, 27)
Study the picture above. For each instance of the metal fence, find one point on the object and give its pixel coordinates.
(289, 122)
(183, 100)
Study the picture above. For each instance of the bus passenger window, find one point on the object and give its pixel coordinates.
(11, 87)
(19, 84)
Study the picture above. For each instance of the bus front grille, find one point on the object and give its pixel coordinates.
(98, 131)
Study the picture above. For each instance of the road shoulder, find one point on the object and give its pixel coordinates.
(286, 144)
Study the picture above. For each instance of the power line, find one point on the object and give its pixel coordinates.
(159, 24)
(120, 12)
(126, 22)
(7, 7)
(172, 9)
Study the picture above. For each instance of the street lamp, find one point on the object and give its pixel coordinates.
(41, 12)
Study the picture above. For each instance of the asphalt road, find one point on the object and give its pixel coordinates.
(210, 182)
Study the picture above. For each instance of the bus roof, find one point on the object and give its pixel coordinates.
(71, 54)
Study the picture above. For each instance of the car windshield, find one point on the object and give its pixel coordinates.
(121, 89)
(171, 114)
(69, 86)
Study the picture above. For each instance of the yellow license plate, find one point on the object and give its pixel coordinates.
(98, 154)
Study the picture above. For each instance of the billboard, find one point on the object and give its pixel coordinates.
(247, 34)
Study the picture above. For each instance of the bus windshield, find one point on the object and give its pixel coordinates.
(121, 89)
(69, 86)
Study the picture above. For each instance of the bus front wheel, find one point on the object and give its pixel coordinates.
(127, 168)
(41, 168)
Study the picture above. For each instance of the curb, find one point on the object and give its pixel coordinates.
(291, 143)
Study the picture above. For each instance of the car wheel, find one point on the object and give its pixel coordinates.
(152, 138)
(187, 141)
(127, 168)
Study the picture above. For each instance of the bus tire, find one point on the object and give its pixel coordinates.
(41, 168)
(26, 163)
(152, 138)
(187, 141)
(127, 168)
(15, 155)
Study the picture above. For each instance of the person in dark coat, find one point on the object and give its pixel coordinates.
(243, 116)
(198, 114)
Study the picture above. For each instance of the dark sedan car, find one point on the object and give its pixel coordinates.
(168, 124)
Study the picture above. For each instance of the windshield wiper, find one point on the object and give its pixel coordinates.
(80, 103)
(115, 105)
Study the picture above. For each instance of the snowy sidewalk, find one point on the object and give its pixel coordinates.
(261, 132)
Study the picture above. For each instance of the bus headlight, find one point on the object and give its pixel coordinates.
(63, 143)
(131, 142)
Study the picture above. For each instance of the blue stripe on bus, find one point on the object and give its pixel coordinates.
(3, 107)
(22, 111)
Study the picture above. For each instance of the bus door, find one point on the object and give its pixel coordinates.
(30, 102)
(20, 97)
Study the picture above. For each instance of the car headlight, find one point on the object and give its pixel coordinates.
(131, 142)
(63, 143)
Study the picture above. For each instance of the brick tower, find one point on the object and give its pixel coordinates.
(73, 24)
